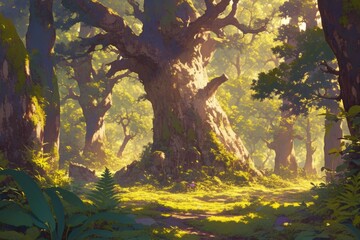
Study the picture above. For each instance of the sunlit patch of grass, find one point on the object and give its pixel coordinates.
(173, 233)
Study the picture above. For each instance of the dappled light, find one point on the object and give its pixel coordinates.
(180, 119)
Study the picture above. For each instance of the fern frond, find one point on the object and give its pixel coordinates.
(104, 196)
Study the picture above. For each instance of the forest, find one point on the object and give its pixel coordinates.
(180, 119)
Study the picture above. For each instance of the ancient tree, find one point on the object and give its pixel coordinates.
(40, 39)
(21, 112)
(170, 56)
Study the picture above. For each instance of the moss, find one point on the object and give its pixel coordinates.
(38, 116)
(349, 6)
(219, 151)
(16, 53)
(176, 123)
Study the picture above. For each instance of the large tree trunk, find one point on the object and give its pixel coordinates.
(40, 39)
(332, 140)
(310, 150)
(21, 114)
(189, 125)
(342, 32)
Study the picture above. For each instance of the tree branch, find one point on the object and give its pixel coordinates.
(328, 68)
(121, 64)
(324, 96)
(205, 21)
(210, 89)
(270, 145)
(119, 34)
(71, 95)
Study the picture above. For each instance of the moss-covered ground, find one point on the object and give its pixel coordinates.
(221, 211)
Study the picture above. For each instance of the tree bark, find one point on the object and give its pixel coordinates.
(332, 141)
(310, 150)
(40, 39)
(340, 24)
(21, 114)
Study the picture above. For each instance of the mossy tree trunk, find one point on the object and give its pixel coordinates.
(21, 114)
(170, 57)
(40, 39)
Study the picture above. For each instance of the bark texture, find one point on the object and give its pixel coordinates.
(340, 21)
(40, 39)
(21, 114)
(170, 58)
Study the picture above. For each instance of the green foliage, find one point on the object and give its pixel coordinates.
(47, 214)
(104, 196)
(338, 204)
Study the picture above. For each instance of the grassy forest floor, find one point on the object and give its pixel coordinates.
(219, 211)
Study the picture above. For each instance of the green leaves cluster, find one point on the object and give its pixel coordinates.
(338, 204)
(54, 213)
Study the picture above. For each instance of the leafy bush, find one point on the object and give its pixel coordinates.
(45, 216)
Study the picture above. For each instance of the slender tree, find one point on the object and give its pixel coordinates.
(170, 57)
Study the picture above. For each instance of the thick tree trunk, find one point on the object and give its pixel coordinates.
(189, 125)
(310, 150)
(342, 32)
(40, 39)
(21, 114)
(332, 140)
(283, 145)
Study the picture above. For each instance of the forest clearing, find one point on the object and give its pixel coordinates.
(180, 119)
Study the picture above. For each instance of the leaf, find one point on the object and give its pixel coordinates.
(75, 220)
(12, 235)
(354, 110)
(104, 216)
(70, 198)
(34, 195)
(355, 231)
(15, 216)
(59, 212)
(97, 232)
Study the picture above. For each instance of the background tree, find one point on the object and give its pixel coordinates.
(310, 86)
(95, 96)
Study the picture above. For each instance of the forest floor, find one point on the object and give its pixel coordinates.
(219, 212)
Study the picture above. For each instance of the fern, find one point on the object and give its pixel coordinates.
(104, 195)
(340, 202)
